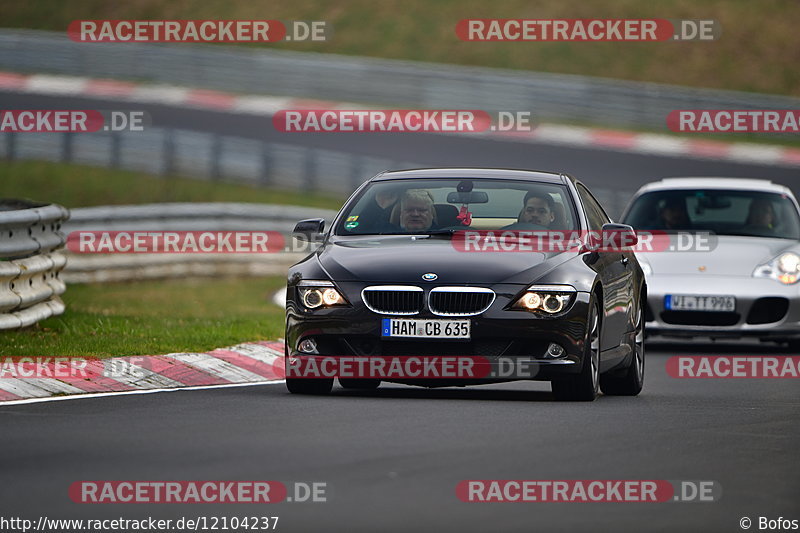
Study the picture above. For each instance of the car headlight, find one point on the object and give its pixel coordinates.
(546, 300)
(316, 294)
(784, 268)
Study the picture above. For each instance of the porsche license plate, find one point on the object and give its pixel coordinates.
(425, 329)
(699, 302)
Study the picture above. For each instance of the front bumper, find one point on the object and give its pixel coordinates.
(765, 308)
(500, 336)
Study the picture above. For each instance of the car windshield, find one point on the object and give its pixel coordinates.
(724, 212)
(425, 206)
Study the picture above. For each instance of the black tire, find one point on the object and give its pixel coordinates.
(631, 381)
(583, 387)
(360, 384)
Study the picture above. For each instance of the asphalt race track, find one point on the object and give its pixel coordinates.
(391, 458)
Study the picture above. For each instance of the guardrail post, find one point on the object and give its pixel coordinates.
(11, 145)
(357, 171)
(310, 171)
(215, 157)
(168, 153)
(266, 164)
(66, 147)
(116, 150)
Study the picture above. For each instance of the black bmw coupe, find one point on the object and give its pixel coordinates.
(463, 276)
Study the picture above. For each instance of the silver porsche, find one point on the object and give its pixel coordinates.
(733, 264)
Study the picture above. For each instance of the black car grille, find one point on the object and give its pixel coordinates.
(459, 301)
(394, 301)
(766, 310)
(700, 318)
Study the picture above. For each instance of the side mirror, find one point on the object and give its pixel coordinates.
(309, 230)
(612, 238)
(619, 236)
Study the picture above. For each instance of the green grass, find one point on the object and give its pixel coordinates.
(758, 51)
(82, 186)
(153, 318)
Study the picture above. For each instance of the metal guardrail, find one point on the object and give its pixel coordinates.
(218, 216)
(209, 156)
(105, 267)
(551, 97)
(30, 284)
(205, 156)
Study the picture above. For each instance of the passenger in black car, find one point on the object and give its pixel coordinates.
(376, 215)
(416, 210)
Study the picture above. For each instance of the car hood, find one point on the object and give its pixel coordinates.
(732, 256)
(401, 259)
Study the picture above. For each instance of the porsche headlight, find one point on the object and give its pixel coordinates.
(316, 294)
(784, 268)
(546, 300)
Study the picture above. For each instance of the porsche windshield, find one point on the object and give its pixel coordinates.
(724, 212)
(422, 206)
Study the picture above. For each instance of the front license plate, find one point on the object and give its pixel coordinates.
(425, 329)
(699, 302)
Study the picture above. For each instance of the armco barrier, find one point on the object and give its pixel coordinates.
(191, 154)
(94, 268)
(30, 284)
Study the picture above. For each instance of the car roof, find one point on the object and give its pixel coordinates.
(475, 173)
(740, 184)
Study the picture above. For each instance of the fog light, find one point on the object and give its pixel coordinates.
(554, 351)
(308, 346)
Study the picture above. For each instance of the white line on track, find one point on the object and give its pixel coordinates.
(124, 393)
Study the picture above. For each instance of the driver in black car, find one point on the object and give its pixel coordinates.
(539, 208)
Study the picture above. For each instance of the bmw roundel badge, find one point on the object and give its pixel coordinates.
(430, 276)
